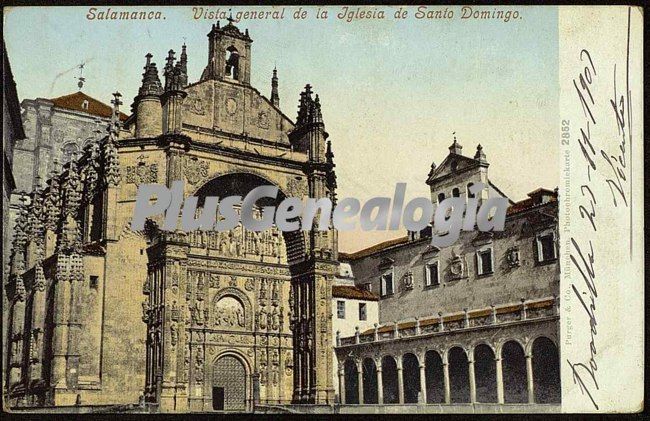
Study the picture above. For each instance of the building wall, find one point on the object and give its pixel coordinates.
(12, 131)
(348, 325)
(51, 133)
(507, 284)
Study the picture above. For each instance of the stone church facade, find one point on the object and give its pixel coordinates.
(474, 323)
(196, 322)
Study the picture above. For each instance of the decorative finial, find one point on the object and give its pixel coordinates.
(455, 147)
(81, 79)
(480, 155)
(148, 56)
(230, 19)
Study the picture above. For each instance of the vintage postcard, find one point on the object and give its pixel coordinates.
(324, 210)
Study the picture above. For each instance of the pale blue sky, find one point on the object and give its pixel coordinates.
(392, 91)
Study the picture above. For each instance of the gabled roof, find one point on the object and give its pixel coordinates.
(76, 100)
(464, 163)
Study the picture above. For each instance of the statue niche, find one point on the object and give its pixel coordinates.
(229, 313)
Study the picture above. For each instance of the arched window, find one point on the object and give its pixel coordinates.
(441, 197)
(232, 63)
(455, 192)
(469, 193)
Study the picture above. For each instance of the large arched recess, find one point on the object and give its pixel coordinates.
(311, 274)
(240, 184)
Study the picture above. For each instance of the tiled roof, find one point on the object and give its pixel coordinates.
(372, 249)
(355, 293)
(534, 199)
(95, 107)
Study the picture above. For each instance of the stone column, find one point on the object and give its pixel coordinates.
(499, 370)
(360, 380)
(38, 327)
(58, 376)
(342, 384)
(529, 378)
(445, 372)
(74, 335)
(400, 381)
(472, 380)
(423, 382)
(17, 332)
(380, 385)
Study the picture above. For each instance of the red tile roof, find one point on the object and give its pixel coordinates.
(372, 249)
(534, 199)
(95, 107)
(352, 292)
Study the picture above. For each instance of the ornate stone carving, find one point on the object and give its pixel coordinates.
(197, 312)
(296, 188)
(512, 257)
(195, 104)
(173, 330)
(263, 120)
(275, 295)
(231, 106)
(214, 280)
(288, 362)
(229, 313)
(200, 286)
(198, 366)
(186, 360)
(457, 266)
(196, 170)
(407, 281)
(141, 172)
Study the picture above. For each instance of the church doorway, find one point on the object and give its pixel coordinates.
(229, 385)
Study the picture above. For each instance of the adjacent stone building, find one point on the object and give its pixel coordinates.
(55, 130)
(476, 322)
(205, 321)
(12, 132)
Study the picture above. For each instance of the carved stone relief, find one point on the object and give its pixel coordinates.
(141, 172)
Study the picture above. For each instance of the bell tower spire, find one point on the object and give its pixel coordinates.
(275, 97)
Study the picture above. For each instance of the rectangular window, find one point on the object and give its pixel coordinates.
(387, 284)
(432, 277)
(484, 261)
(368, 286)
(362, 311)
(546, 248)
(94, 281)
(340, 309)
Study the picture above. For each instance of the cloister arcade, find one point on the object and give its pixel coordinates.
(515, 362)
(457, 375)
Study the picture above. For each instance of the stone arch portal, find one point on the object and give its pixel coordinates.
(229, 384)
(309, 259)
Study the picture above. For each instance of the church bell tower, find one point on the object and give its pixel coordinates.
(229, 54)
